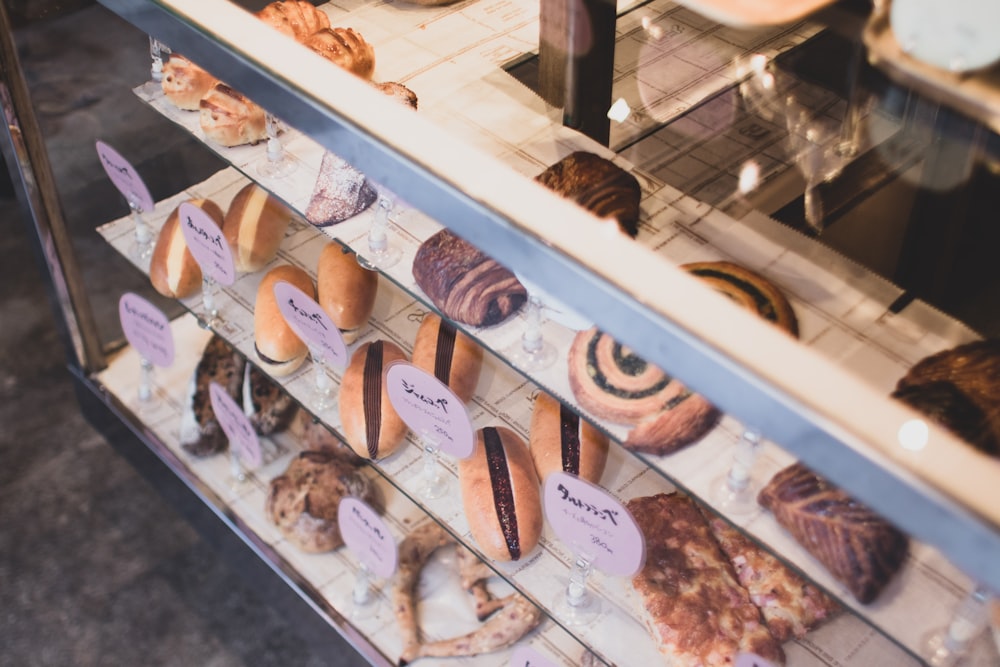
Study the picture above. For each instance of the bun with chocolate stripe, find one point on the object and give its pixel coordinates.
(370, 424)
(279, 350)
(561, 441)
(500, 495)
(453, 358)
(614, 383)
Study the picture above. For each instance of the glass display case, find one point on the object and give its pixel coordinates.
(770, 175)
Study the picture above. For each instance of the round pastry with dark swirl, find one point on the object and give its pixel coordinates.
(613, 383)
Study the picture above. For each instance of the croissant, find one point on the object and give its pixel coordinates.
(229, 118)
(346, 48)
(296, 18)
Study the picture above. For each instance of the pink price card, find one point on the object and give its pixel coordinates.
(236, 426)
(311, 323)
(751, 660)
(594, 523)
(147, 329)
(207, 243)
(525, 656)
(430, 408)
(367, 536)
(125, 178)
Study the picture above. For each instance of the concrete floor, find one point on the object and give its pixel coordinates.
(95, 568)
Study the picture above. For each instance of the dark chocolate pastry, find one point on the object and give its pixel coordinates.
(223, 365)
(464, 283)
(273, 409)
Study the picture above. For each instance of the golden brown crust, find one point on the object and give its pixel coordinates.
(695, 609)
(750, 290)
(296, 18)
(346, 290)
(450, 355)
(255, 226)
(561, 441)
(599, 185)
(501, 496)
(229, 118)
(370, 424)
(184, 83)
(278, 349)
(345, 48)
(173, 270)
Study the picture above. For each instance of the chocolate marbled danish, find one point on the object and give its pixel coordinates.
(464, 283)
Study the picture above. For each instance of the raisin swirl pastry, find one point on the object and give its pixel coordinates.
(613, 383)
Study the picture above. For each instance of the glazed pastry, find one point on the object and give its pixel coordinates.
(346, 290)
(230, 119)
(184, 83)
(694, 608)
(791, 606)
(296, 18)
(453, 358)
(500, 495)
(304, 500)
(370, 424)
(221, 364)
(599, 185)
(273, 409)
(613, 383)
(561, 441)
(860, 549)
(279, 350)
(173, 270)
(345, 48)
(341, 192)
(255, 226)
(960, 389)
(464, 283)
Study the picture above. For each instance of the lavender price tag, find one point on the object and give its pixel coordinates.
(367, 536)
(125, 178)
(147, 329)
(430, 408)
(525, 656)
(207, 243)
(242, 438)
(311, 323)
(593, 522)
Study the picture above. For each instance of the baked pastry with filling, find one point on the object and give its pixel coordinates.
(344, 47)
(296, 18)
(229, 118)
(184, 83)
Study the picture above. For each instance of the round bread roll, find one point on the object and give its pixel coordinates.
(255, 225)
(346, 290)
(500, 495)
(370, 424)
(304, 501)
(561, 441)
(346, 48)
(278, 349)
(184, 83)
(296, 18)
(453, 358)
(229, 118)
(172, 268)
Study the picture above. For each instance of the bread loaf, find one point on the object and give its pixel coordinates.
(173, 270)
(599, 185)
(229, 118)
(370, 424)
(184, 83)
(346, 48)
(296, 18)
(500, 495)
(453, 358)
(346, 290)
(278, 349)
(464, 283)
(561, 441)
(254, 226)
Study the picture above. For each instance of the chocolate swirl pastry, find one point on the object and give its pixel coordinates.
(613, 383)
(859, 548)
(960, 389)
(599, 185)
(464, 283)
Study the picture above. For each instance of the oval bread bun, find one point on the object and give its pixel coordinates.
(346, 290)
(450, 355)
(370, 424)
(547, 447)
(504, 531)
(279, 350)
(255, 225)
(173, 270)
